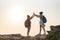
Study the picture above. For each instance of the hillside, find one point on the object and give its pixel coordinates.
(53, 34)
(20, 37)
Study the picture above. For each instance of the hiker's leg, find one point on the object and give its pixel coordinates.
(28, 31)
(44, 30)
(40, 30)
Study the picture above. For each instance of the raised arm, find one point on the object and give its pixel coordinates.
(31, 16)
(36, 15)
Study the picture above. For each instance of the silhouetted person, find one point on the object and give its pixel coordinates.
(28, 23)
(41, 22)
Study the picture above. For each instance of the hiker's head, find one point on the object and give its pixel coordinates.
(40, 13)
(28, 16)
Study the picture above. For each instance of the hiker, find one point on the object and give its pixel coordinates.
(41, 22)
(28, 23)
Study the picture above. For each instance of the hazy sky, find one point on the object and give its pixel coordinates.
(13, 14)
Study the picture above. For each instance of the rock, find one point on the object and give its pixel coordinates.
(54, 33)
(41, 37)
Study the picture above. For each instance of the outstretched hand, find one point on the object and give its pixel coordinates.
(34, 14)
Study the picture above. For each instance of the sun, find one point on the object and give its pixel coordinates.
(16, 14)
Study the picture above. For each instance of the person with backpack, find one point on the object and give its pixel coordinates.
(42, 21)
(28, 23)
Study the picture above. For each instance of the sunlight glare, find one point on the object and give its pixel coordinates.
(16, 14)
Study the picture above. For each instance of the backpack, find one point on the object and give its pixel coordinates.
(44, 19)
(26, 23)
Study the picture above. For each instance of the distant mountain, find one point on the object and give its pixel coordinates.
(10, 37)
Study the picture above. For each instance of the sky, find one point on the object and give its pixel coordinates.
(13, 14)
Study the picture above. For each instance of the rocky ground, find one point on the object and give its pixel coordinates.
(19, 37)
(53, 34)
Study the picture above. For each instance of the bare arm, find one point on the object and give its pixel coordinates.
(31, 16)
(37, 15)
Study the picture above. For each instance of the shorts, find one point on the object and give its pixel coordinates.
(28, 26)
(41, 23)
